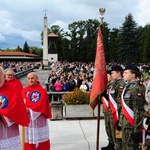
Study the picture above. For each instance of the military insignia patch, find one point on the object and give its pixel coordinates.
(121, 88)
(35, 96)
(112, 91)
(3, 102)
(127, 96)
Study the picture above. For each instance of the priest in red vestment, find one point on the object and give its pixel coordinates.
(38, 107)
(12, 80)
(12, 114)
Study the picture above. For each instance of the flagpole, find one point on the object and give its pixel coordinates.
(98, 123)
(102, 11)
(23, 137)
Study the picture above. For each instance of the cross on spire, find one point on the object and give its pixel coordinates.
(45, 11)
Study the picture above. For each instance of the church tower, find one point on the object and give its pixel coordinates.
(53, 47)
(50, 44)
(45, 42)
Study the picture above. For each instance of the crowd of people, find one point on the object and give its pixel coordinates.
(124, 102)
(66, 76)
(128, 93)
(19, 66)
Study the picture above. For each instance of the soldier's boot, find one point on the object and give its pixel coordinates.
(110, 146)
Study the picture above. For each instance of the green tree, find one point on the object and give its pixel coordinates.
(26, 48)
(91, 38)
(82, 35)
(128, 42)
(18, 49)
(113, 45)
(35, 50)
(106, 41)
(65, 49)
(145, 44)
(73, 40)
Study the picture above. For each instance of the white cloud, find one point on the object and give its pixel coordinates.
(2, 38)
(24, 18)
(6, 23)
(32, 35)
(143, 12)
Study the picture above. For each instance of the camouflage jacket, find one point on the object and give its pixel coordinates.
(116, 91)
(134, 97)
(105, 94)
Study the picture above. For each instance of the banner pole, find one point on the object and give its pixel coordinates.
(102, 11)
(98, 124)
(23, 137)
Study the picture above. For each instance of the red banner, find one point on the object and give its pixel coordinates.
(100, 75)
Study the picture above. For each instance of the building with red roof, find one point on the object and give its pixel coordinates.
(18, 56)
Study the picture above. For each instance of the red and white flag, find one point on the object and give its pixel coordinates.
(105, 103)
(127, 111)
(113, 106)
(100, 74)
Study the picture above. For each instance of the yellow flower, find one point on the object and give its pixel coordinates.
(77, 96)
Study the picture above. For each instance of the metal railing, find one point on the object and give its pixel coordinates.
(56, 96)
(55, 99)
(22, 73)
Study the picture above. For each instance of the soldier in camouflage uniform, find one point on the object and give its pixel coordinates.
(115, 92)
(107, 112)
(133, 100)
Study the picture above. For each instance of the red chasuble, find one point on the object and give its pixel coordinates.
(36, 98)
(16, 83)
(12, 105)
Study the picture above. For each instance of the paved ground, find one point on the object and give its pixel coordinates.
(72, 134)
(76, 134)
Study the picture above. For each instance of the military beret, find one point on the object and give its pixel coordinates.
(132, 67)
(109, 72)
(117, 68)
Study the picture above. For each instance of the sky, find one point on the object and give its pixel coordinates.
(22, 20)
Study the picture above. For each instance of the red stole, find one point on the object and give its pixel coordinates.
(15, 83)
(12, 105)
(36, 98)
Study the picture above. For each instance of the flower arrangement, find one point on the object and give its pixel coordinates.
(77, 96)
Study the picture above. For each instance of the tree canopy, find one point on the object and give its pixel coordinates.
(127, 44)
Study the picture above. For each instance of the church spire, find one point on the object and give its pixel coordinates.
(45, 11)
